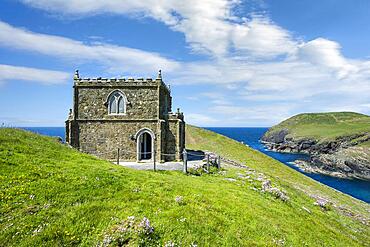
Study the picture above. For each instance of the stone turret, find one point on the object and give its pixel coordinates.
(76, 75)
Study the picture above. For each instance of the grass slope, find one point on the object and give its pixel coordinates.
(325, 126)
(52, 195)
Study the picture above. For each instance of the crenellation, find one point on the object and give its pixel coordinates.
(130, 80)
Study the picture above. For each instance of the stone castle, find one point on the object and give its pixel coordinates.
(133, 115)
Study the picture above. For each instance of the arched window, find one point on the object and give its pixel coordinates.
(116, 103)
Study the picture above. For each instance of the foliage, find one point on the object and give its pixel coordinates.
(52, 195)
(324, 126)
(130, 232)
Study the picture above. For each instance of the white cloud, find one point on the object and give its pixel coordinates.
(200, 119)
(326, 53)
(262, 38)
(202, 22)
(11, 122)
(263, 115)
(295, 79)
(365, 106)
(117, 58)
(261, 64)
(215, 98)
(209, 26)
(46, 77)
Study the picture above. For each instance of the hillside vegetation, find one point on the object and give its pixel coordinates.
(324, 126)
(52, 195)
(338, 142)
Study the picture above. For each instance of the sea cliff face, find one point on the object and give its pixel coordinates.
(346, 156)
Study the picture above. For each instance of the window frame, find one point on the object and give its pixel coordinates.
(116, 99)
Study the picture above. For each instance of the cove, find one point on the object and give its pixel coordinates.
(251, 136)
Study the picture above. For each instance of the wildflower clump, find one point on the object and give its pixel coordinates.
(180, 200)
(170, 243)
(323, 203)
(277, 193)
(131, 231)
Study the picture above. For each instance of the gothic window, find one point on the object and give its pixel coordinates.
(116, 103)
(121, 107)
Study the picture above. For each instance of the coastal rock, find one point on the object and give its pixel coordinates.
(323, 203)
(306, 144)
(266, 185)
(279, 194)
(340, 157)
(353, 162)
(276, 137)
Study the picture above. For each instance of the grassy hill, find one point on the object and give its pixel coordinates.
(324, 126)
(53, 195)
(339, 142)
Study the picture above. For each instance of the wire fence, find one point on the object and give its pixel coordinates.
(210, 159)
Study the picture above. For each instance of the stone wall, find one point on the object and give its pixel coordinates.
(72, 133)
(171, 133)
(103, 138)
(175, 137)
(142, 102)
(165, 102)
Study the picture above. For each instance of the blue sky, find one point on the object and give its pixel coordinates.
(229, 63)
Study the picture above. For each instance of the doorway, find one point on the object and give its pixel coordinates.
(145, 146)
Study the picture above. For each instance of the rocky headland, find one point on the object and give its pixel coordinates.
(338, 143)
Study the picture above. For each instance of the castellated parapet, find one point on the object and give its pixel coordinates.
(133, 115)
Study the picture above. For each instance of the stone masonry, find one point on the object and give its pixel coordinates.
(133, 115)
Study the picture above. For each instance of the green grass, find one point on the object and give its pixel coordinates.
(52, 195)
(324, 126)
(365, 144)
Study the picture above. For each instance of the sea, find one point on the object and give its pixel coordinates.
(359, 189)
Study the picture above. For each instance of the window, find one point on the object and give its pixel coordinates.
(116, 103)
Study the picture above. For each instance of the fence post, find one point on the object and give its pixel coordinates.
(185, 158)
(118, 156)
(207, 162)
(219, 162)
(154, 165)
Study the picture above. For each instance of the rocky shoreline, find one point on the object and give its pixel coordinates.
(342, 157)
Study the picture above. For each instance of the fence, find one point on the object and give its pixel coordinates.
(211, 159)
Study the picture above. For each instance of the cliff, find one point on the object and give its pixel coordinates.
(339, 143)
